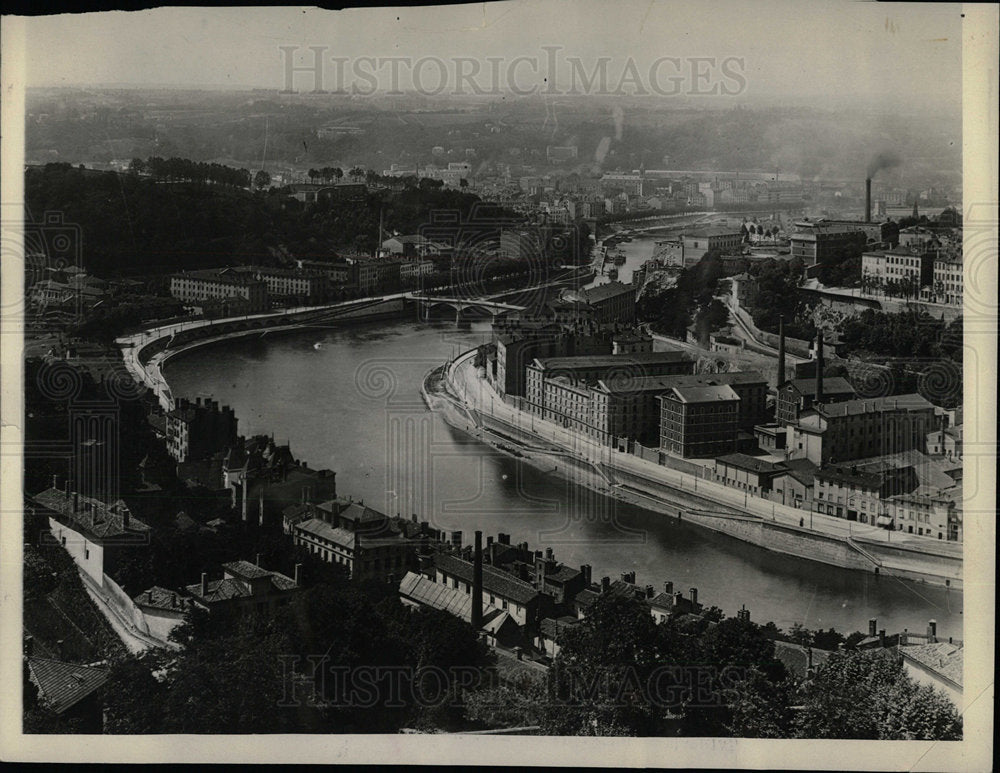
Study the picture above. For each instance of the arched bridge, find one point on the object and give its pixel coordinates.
(461, 306)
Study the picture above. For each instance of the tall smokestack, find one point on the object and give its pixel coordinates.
(868, 199)
(819, 367)
(477, 583)
(781, 350)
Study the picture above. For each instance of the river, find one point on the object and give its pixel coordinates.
(347, 398)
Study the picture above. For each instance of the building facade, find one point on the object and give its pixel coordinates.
(215, 284)
(699, 422)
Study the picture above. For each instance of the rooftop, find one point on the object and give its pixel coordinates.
(432, 594)
(941, 657)
(908, 402)
(495, 581)
(63, 685)
(335, 534)
(161, 598)
(91, 515)
(607, 290)
(624, 361)
(703, 394)
(222, 275)
(834, 385)
(751, 463)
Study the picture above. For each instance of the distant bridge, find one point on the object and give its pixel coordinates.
(428, 304)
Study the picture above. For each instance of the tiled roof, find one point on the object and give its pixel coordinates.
(90, 515)
(562, 574)
(63, 685)
(941, 657)
(796, 657)
(662, 601)
(320, 528)
(161, 598)
(424, 591)
(605, 291)
(219, 590)
(495, 581)
(360, 513)
(704, 394)
(245, 569)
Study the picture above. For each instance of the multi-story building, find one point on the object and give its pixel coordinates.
(221, 284)
(882, 267)
(502, 590)
(376, 275)
(699, 421)
(631, 342)
(358, 538)
(798, 394)
(612, 302)
(748, 473)
(244, 588)
(340, 274)
(855, 429)
(520, 342)
(858, 492)
(948, 282)
(937, 515)
(98, 536)
(623, 371)
(695, 244)
(197, 430)
(295, 284)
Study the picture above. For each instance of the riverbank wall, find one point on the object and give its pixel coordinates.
(686, 502)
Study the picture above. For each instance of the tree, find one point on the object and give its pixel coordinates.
(602, 679)
(261, 180)
(867, 695)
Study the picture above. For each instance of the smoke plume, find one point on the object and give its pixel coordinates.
(887, 159)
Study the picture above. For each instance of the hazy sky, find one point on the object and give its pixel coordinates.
(827, 49)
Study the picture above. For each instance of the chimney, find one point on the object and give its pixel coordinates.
(204, 584)
(260, 509)
(477, 583)
(605, 584)
(489, 541)
(868, 199)
(881, 637)
(59, 648)
(55, 481)
(668, 588)
(819, 368)
(76, 501)
(549, 554)
(257, 562)
(298, 574)
(456, 539)
(781, 350)
(125, 519)
(931, 631)
(650, 591)
(586, 571)
(872, 624)
(694, 596)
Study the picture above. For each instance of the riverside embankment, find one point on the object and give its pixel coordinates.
(469, 403)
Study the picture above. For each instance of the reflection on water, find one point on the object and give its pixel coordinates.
(353, 405)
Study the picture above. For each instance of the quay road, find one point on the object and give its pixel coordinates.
(467, 382)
